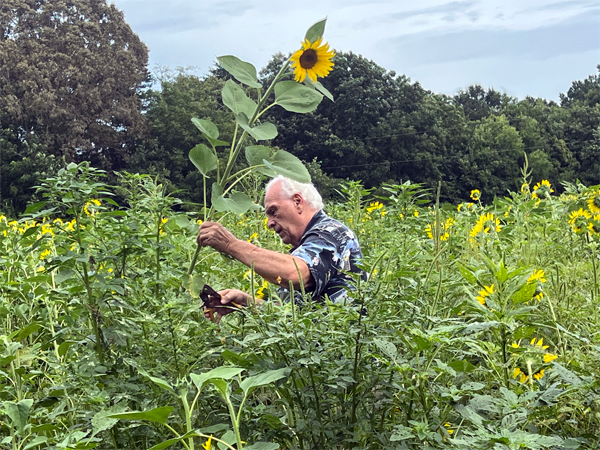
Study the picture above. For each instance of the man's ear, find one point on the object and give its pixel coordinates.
(298, 201)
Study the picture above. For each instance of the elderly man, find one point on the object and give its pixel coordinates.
(323, 248)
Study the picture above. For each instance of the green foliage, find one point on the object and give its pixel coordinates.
(476, 327)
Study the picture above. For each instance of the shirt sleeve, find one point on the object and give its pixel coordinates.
(318, 252)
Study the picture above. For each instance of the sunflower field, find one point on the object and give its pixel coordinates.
(477, 327)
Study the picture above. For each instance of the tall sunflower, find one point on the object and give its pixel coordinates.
(313, 60)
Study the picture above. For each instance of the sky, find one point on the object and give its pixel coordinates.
(520, 47)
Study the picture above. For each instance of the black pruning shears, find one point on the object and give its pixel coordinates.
(212, 300)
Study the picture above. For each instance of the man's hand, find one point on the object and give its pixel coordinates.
(231, 299)
(215, 235)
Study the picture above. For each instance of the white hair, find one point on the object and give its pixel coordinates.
(290, 187)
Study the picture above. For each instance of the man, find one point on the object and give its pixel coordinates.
(323, 248)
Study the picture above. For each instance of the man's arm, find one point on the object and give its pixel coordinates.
(275, 267)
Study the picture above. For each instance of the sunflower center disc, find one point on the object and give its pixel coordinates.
(308, 59)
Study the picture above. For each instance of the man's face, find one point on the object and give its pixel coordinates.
(283, 215)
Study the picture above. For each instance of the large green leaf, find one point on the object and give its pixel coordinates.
(102, 422)
(296, 97)
(316, 31)
(236, 99)
(261, 132)
(169, 442)
(196, 283)
(203, 158)
(256, 153)
(159, 415)
(39, 440)
(222, 373)
(238, 202)
(206, 127)
(242, 71)
(159, 381)
(251, 383)
(18, 412)
(263, 446)
(209, 131)
(288, 165)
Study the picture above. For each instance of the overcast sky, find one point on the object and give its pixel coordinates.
(521, 47)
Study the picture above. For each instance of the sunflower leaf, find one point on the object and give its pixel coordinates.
(262, 132)
(288, 165)
(159, 415)
(203, 158)
(238, 202)
(322, 89)
(242, 71)
(316, 31)
(256, 153)
(209, 131)
(296, 97)
(236, 99)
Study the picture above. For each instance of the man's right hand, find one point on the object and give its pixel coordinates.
(231, 299)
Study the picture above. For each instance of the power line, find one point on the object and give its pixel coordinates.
(431, 157)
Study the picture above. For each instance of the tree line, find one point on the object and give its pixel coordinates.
(74, 86)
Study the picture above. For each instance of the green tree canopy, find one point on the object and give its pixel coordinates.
(70, 71)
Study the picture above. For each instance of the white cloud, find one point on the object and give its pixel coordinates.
(404, 35)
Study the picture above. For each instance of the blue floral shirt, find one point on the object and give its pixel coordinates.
(330, 249)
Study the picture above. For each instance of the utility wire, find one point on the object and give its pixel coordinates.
(431, 157)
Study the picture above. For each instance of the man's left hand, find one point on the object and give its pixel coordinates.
(215, 235)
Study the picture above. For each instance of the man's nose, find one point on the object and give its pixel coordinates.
(271, 223)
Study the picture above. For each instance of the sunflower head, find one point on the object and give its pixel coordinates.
(594, 202)
(313, 59)
(543, 189)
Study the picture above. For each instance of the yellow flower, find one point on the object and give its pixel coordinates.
(428, 231)
(47, 229)
(475, 194)
(539, 344)
(516, 372)
(86, 207)
(260, 293)
(543, 189)
(515, 345)
(485, 223)
(485, 292)
(579, 220)
(208, 444)
(416, 213)
(537, 275)
(594, 203)
(252, 236)
(539, 375)
(549, 357)
(525, 188)
(448, 429)
(44, 253)
(161, 226)
(373, 206)
(523, 378)
(313, 60)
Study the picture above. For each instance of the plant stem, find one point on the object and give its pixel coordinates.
(188, 416)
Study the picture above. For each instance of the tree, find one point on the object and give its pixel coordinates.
(581, 131)
(69, 75)
(495, 156)
(479, 103)
(169, 111)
